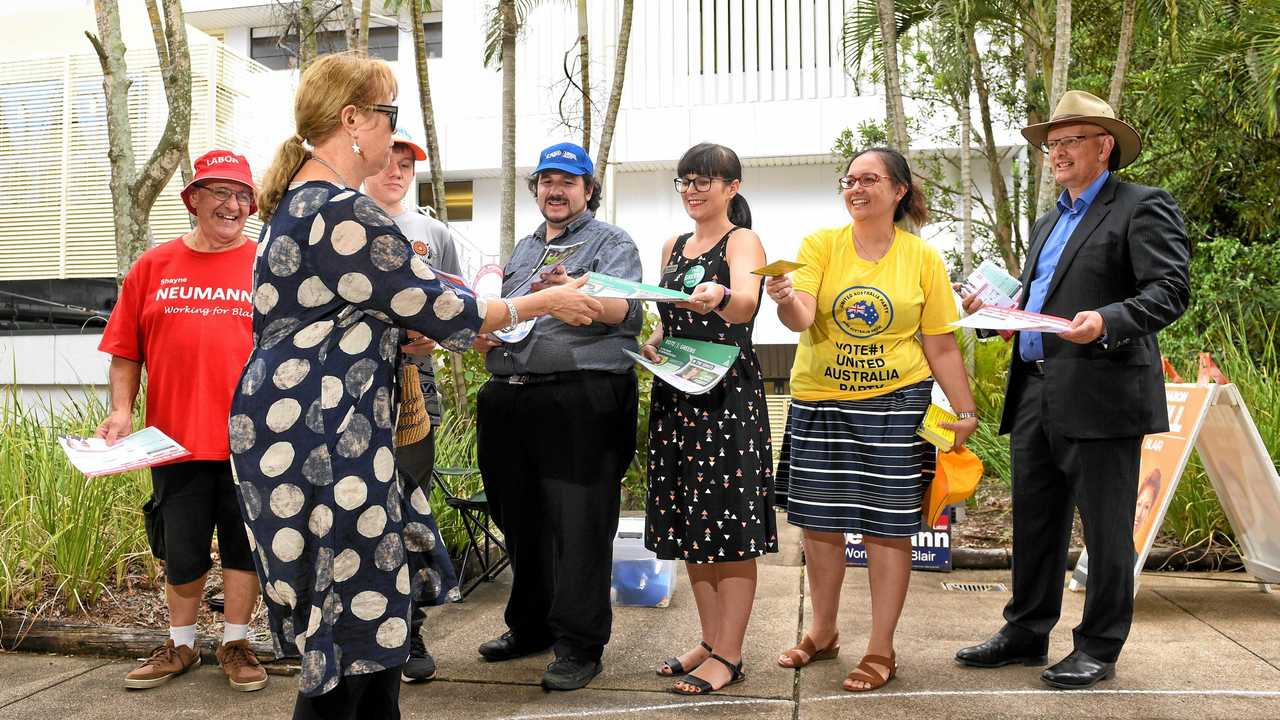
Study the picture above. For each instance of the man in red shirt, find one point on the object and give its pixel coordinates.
(185, 314)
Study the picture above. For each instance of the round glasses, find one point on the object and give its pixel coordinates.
(701, 183)
(244, 197)
(866, 180)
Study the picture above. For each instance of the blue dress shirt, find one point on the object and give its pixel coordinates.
(1030, 344)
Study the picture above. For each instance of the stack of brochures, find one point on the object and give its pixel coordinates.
(931, 428)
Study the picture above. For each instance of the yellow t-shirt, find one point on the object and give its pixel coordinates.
(863, 339)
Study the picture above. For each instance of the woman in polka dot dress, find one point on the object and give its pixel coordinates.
(338, 546)
(710, 463)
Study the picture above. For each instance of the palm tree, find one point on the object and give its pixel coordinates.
(1122, 54)
(615, 94)
(895, 116)
(1057, 87)
(584, 66)
(506, 17)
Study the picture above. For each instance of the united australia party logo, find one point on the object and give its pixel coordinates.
(862, 312)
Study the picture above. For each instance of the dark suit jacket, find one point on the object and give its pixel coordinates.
(1127, 260)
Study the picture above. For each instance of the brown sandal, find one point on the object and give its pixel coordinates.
(806, 649)
(867, 673)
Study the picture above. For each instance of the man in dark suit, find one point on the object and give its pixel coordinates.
(1112, 256)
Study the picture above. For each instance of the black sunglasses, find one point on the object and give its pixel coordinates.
(391, 112)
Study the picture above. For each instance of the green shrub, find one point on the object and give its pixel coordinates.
(59, 530)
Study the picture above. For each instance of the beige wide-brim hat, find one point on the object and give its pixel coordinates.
(1078, 106)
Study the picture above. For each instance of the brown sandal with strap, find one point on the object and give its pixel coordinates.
(674, 667)
(806, 652)
(867, 673)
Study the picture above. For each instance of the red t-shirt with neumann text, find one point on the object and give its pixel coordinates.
(188, 317)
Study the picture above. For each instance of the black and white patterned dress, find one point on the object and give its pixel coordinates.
(710, 462)
(339, 548)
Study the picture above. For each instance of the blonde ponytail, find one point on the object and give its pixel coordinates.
(329, 84)
(289, 159)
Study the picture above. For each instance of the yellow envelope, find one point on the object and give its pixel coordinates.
(777, 267)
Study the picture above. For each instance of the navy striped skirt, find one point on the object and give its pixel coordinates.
(857, 466)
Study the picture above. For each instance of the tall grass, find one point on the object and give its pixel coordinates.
(1250, 359)
(991, 366)
(1195, 517)
(455, 448)
(64, 538)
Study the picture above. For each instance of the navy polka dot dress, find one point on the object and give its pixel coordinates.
(339, 547)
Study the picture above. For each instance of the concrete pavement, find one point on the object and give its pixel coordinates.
(1199, 649)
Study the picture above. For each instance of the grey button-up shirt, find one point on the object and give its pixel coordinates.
(553, 346)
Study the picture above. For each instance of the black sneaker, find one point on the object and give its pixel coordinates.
(570, 673)
(421, 666)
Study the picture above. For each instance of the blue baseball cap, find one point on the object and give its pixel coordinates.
(565, 157)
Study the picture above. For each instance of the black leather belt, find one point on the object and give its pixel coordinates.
(537, 378)
(1035, 367)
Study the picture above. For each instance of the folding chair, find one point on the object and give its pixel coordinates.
(481, 539)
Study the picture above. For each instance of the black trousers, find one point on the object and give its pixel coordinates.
(1051, 474)
(357, 697)
(553, 456)
(415, 462)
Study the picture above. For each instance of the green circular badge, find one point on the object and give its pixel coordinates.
(693, 275)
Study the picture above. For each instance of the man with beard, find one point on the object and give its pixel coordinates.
(570, 393)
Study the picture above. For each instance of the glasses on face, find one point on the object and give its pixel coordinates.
(391, 111)
(1068, 142)
(221, 194)
(866, 180)
(701, 183)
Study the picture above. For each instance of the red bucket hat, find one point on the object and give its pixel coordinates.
(220, 165)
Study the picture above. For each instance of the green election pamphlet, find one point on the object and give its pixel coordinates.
(607, 286)
(690, 366)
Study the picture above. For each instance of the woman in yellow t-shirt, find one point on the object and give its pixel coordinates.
(873, 305)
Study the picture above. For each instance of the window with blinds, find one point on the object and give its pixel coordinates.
(55, 194)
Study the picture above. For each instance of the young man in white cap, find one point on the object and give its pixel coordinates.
(430, 240)
(1112, 256)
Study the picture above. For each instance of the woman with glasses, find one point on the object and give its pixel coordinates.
(874, 306)
(183, 313)
(341, 548)
(710, 499)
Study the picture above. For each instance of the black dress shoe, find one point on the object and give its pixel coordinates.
(508, 647)
(1003, 650)
(1078, 671)
(570, 673)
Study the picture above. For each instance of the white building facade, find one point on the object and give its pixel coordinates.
(764, 77)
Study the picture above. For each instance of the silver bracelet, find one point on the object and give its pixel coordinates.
(512, 314)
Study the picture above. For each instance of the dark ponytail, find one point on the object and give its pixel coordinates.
(740, 212)
(912, 205)
(714, 160)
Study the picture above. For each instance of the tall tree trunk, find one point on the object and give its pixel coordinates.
(1122, 54)
(615, 93)
(1034, 80)
(306, 34)
(892, 78)
(428, 110)
(162, 52)
(584, 62)
(966, 181)
(1005, 219)
(134, 190)
(507, 225)
(1058, 86)
(349, 26)
(362, 41)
